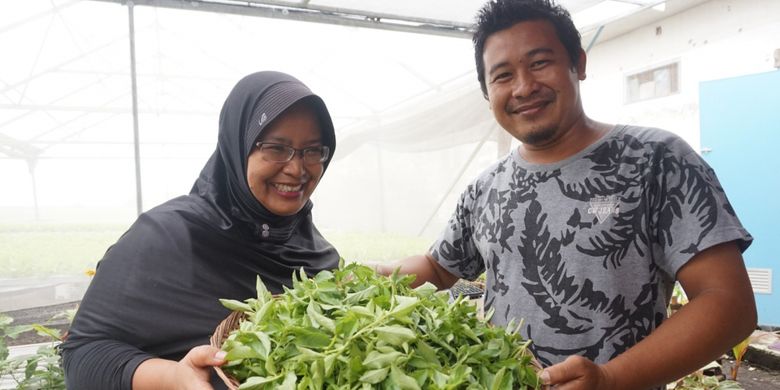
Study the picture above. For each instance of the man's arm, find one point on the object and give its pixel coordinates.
(721, 313)
(424, 267)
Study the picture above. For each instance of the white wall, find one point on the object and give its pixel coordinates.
(717, 39)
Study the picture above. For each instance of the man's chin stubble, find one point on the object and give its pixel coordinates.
(538, 136)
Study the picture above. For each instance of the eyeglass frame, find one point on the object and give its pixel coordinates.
(295, 151)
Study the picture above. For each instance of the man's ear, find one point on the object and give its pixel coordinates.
(581, 65)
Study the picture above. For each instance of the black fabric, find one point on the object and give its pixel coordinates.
(155, 293)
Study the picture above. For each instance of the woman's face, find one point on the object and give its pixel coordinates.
(284, 187)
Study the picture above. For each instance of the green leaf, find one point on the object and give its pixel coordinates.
(740, 349)
(497, 383)
(289, 381)
(54, 334)
(318, 319)
(302, 275)
(256, 382)
(241, 351)
(362, 310)
(330, 362)
(403, 381)
(234, 305)
(307, 355)
(310, 338)
(426, 289)
(5, 320)
(347, 325)
(405, 305)
(265, 309)
(427, 352)
(377, 359)
(439, 378)
(14, 331)
(257, 340)
(360, 296)
(374, 376)
(263, 295)
(317, 374)
(323, 276)
(395, 335)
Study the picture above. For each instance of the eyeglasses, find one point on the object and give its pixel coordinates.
(281, 153)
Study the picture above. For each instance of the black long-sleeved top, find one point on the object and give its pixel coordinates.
(156, 291)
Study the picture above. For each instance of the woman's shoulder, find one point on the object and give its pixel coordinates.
(176, 217)
(184, 209)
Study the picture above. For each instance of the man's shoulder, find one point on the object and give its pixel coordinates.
(649, 134)
(653, 138)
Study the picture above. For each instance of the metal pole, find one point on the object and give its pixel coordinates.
(31, 163)
(381, 178)
(595, 38)
(136, 142)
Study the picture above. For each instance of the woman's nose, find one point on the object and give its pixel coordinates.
(295, 166)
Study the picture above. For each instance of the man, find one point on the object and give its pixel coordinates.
(583, 230)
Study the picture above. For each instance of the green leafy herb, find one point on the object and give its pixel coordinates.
(353, 329)
(698, 381)
(40, 370)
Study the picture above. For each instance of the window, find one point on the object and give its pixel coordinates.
(653, 83)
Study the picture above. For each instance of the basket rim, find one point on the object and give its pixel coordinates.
(221, 332)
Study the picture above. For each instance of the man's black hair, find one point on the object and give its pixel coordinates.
(498, 15)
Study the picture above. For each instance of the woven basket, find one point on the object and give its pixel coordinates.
(221, 333)
(231, 323)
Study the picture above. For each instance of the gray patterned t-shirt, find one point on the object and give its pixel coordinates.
(585, 251)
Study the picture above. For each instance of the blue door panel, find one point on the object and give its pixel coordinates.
(740, 138)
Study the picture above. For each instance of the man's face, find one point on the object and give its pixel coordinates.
(532, 89)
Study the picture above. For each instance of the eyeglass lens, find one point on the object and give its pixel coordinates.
(283, 153)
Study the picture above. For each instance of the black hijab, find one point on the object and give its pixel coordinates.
(156, 290)
(250, 108)
(253, 104)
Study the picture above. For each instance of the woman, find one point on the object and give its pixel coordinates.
(153, 304)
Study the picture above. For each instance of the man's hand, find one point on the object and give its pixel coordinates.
(191, 372)
(423, 267)
(577, 373)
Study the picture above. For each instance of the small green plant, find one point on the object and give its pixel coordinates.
(40, 370)
(699, 381)
(739, 352)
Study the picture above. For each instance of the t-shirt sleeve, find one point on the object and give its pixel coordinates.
(455, 249)
(693, 212)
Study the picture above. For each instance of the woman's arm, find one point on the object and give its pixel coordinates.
(100, 364)
(190, 373)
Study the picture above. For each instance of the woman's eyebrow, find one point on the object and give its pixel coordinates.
(283, 140)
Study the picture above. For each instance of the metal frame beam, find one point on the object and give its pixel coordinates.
(316, 14)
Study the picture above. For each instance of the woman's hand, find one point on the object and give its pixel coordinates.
(576, 373)
(191, 372)
(196, 365)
